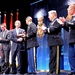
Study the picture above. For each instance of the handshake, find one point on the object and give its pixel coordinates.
(62, 19)
(22, 35)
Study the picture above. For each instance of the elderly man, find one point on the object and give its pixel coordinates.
(55, 42)
(17, 46)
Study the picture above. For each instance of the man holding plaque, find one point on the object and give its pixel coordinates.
(17, 46)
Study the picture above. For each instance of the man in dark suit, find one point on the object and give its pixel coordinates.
(31, 44)
(5, 43)
(54, 41)
(17, 46)
(71, 26)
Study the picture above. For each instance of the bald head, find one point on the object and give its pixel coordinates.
(28, 20)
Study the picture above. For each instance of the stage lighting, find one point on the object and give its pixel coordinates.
(36, 2)
(69, 2)
(40, 13)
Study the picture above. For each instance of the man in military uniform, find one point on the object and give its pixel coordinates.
(70, 24)
(54, 41)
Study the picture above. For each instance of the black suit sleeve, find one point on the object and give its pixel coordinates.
(66, 27)
(54, 27)
(32, 31)
(70, 23)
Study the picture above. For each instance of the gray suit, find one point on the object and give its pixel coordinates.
(14, 38)
(5, 42)
(16, 49)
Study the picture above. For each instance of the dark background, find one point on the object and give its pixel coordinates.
(25, 8)
(30, 7)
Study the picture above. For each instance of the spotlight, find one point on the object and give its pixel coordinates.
(69, 2)
(40, 13)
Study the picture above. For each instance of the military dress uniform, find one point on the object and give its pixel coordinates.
(55, 42)
(71, 25)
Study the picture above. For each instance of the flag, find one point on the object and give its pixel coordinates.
(5, 18)
(11, 21)
(17, 15)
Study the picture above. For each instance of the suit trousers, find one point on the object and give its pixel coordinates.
(53, 59)
(72, 57)
(5, 56)
(18, 54)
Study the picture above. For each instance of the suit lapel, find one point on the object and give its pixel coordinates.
(28, 28)
(4, 34)
(19, 31)
(15, 32)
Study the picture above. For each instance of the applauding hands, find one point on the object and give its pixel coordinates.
(43, 27)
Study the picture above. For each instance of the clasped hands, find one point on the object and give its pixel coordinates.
(21, 35)
(62, 19)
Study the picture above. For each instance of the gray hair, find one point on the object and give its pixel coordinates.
(18, 21)
(52, 12)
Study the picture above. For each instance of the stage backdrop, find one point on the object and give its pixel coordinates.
(43, 49)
